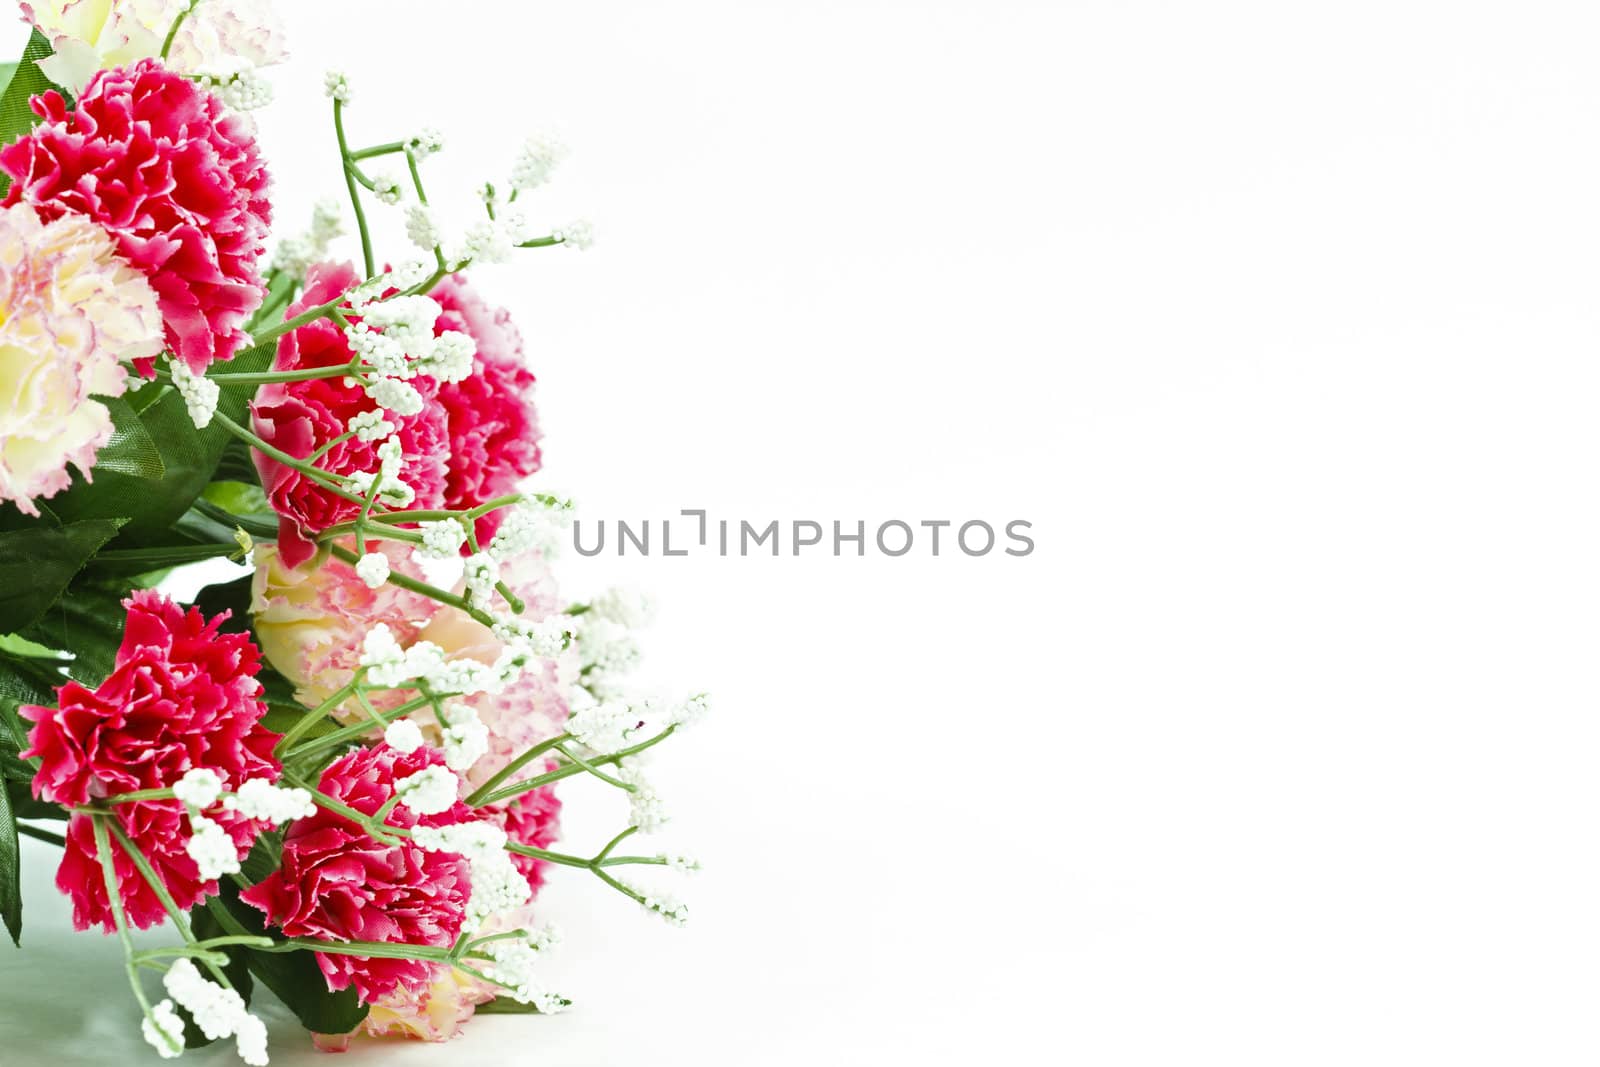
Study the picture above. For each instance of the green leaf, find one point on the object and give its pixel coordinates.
(38, 562)
(89, 621)
(130, 450)
(7, 72)
(10, 870)
(240, 498)
(26, 81)
(188, 457)
(232, 597)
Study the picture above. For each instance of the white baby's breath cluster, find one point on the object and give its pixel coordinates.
(244, 90)
(463, 736)
(480, 571)
(218, 1012)
(295, 255)
(336, 86)
(200, 394)
(578, 234)
(210, 845)
(370, 425)
(536, 160)
(163, 1029)
(625, 605)
(441, 539)
(427, 142)
(607, 650)
(387, 188)
(429, 791)
(260, 799)
(404, 736)
(422, 227)
(373, 569)
(391, 488)
(606, 726)
(497, 886)
(646, 811)
(515, 967)
(199, 788)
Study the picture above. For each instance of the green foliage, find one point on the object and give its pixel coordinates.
(24, 679)
(153, 490)
(37, 562)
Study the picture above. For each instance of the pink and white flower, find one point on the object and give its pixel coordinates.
(70, 311)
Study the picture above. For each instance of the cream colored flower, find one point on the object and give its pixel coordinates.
(310, 620)
(221, 37)
(70, 312)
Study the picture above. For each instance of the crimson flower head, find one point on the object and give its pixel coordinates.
(301, 417)
(336, 883)
(182, 695)
(174, 179)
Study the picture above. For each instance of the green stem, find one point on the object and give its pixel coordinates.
(305, 317)
(177, 23)
(166, 556)
(314, 716)
(615, 841)
(350, 733)
(379, 150)
(255, 527)
(140, 794)
(350, 184)
(412, 584)
(306, 375)
(326, 448)
(41, 835)
(409, 517)
(619, 886)
(108, 871)
(541, 242)
(592, 769)
(316, 474)
(387, 533)
(568, 771)
(476, 796)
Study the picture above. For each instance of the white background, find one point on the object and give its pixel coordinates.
(1276, 320)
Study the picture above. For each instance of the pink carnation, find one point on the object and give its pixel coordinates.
(300, 417)
(311, 620)
(181, 696)
(175, 180)
(160, 829)
(533, 707)
(494, 428)
(337, 883)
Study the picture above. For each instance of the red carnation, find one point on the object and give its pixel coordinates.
(301, 417)
(338, 884)
(494, 428)
(534, 819)
(182, 695)
(160, 829)
(174, 179)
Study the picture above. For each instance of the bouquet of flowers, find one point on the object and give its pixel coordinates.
(336, 775)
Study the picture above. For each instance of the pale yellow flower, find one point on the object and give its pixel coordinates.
(71, 312)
